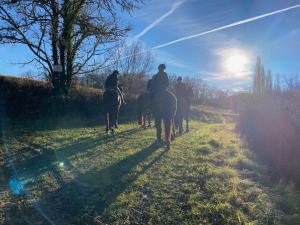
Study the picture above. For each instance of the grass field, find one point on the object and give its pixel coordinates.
(84, 176)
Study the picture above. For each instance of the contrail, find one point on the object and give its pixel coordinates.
(226, 26)
(160, 19)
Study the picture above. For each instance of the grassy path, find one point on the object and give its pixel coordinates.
(83, 176)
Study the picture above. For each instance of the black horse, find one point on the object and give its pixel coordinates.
(112, 102)
(164, 105)
(144, 109)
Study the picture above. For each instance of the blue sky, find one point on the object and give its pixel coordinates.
(275, 38)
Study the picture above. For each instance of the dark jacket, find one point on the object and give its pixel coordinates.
(160, 82)
(149, 85)
(181, 90)
(111, 81)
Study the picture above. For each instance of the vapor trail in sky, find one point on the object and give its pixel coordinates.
(226, 26)
(160, 19)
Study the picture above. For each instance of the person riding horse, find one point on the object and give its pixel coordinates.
(113, 98)
(183, 95)
(163, 105)
(112, 82)
(180, 88)
(160, 81)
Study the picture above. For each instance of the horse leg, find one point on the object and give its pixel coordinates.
(116, 118)
(176, 121)
(158, 129)
(144, 121)
(107, 122)
(149, 119)
(111, 121)
(180, 121)
(187, 120)
(173, 130)
(168, 129)
(140, 116)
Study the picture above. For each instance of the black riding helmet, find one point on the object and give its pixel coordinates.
(162, 67)
(115, 72)
(179, 79)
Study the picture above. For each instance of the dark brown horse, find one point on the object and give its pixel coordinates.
(164, 105)
(144, 109)
(112, 102)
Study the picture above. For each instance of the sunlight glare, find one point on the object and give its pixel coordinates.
(236, 63)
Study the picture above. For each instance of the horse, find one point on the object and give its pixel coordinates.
(183, 112)
(112, 102)
(164, 105)
(144, 109)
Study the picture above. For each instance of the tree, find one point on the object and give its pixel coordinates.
(263, 80)
(77, 35)
(259, 79)
(269, 81)
(134, 61)
(257, 76)
(277, 85)
(133, 58)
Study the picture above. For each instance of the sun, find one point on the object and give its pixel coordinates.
(236, 63)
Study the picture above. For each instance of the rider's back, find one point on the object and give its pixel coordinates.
(111, 81)
(160, 82)
(180, 90)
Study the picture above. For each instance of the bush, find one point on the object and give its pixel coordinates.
(31, 99)
(271, 125)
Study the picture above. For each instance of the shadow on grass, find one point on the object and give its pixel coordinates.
(79, 201)
(30, 126)
(45, 158)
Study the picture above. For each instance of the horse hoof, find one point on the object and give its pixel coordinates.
(158, 142)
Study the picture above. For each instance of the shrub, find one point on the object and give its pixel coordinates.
(31, 99)
(271, 125)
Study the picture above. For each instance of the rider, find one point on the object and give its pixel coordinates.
(180, 88)
(112, 82)
(160, 81)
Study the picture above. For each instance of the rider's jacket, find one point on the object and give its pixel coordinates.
(180, 90)
(160, 82)
(111, 81)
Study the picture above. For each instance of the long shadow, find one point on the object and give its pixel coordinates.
(92, 193)
(29, 126)
(48, 156)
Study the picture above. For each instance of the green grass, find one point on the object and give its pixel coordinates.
(84, 176)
